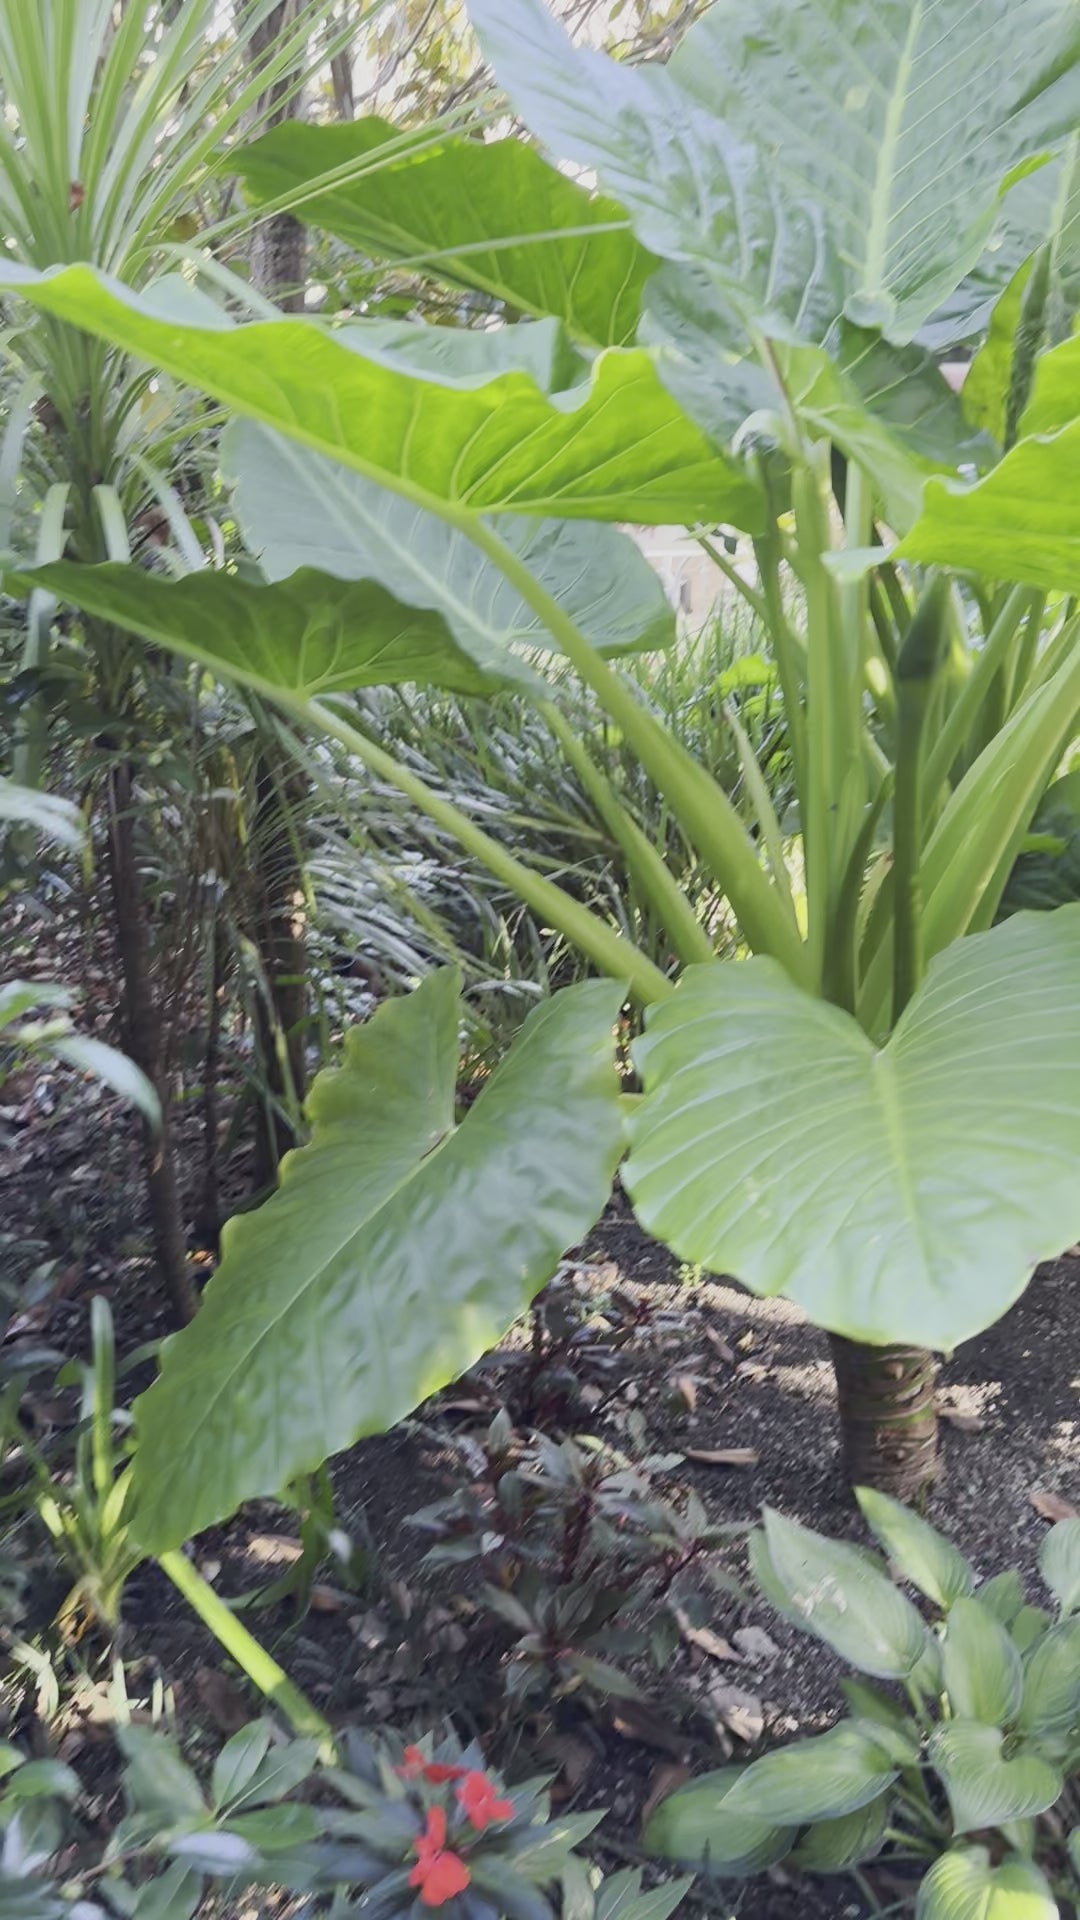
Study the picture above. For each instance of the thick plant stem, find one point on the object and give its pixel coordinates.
(261, 1669)
(888, 1423)
(142, 1023)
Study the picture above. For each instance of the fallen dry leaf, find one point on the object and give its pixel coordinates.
(636, 1720)
(273, 1549)
(963, 1422)
(740, 1712)
(669, 1776)
(325, 1599)
(705, 1639)
(221, 1700)
(685, 1386)
(723, 1347)
(1052, 1506)
(723, 1456)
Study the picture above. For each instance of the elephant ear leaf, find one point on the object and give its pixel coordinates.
(853, 150)
(957, 1140)
(490, 215)
(398, 1249)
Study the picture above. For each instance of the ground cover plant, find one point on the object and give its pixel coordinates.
(829, 1044)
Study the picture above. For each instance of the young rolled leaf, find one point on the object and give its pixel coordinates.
(964, 1886)
(693, 1827)
(915, 1184)
(614, 448)
(867, 146)
(397, 1251)
(984, 1788)
(297, 509)
(490, 215)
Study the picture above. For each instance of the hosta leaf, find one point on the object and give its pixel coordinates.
(297, 509)
(964, 1886)
(921, 1553)
(812, 134)
(1051, 1701)
(613, 448)
(981, 1667)
(694, 1827)
(490, 215)
(309, 634)
(985, 1788)
(879, 1188)
(1059, 1563)
(834, 1846)
(1003, 1596)
(397, 1250)
(837, 1593)
(819, 1779)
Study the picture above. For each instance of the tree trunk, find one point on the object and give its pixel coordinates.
(888, 1423)
(142, 1040)
(277, 270)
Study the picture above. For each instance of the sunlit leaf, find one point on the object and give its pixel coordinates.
(964, 1886)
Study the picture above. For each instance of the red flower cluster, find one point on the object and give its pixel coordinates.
(440, 1873)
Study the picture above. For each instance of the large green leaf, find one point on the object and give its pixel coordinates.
(898, 1193)
(309, 634)
(818, 1779)
(397, 1250)
(964, 1886)
(614, 448)
(920, 1552)
(1017, 524)
(981, 1669)
(984, 1787)
(693, 1827)
(490, 215)
(297, 509)
(837, 1593)
(1051, 1703)
(853, 150)
(835, 1846)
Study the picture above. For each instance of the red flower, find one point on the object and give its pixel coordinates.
(415, 1767)
(481, 1804)
(438, 1873)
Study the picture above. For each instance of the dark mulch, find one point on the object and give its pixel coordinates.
(412, 1649)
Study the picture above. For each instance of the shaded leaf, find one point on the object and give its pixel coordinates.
(834, 1846)
(833, 1774)
(1059, 1563)
(1051, 1702)
(299, 510)
(156, 1779)
(839, 1595)
(397, 1250)
(694, 1827)
(957, 1139)
(491, 215)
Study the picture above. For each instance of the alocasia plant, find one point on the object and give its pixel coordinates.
(836, 193)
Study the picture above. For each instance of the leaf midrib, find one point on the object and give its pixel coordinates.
(885, 171)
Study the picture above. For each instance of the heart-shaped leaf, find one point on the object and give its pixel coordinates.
(694, 1827)
(913, 1185)
(920, 1552)
(837, 1593)
(397, 1250)
(981, 1667)
(964, 1886)
(616, 447)
(819, 1779)
(298, 510)
(985, 1788)
(1059, 1564)
(487, 214)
